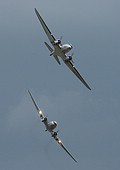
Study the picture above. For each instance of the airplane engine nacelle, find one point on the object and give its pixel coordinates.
(52, 125)
(57, 42)
(54, 135)
(68, 58)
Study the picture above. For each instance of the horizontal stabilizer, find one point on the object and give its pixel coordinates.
(51, 50)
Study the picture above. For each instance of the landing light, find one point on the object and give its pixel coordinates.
(40, 112)
(59, 142)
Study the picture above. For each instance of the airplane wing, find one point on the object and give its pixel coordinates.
(45, 27)
(40, 113)
(74, 70)
(61, 144)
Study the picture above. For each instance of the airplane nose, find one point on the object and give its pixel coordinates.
(55, 123)
(71, 46)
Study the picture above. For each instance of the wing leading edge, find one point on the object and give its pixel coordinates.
(40, 113)
(61, 144)
(74, 70)
(45, 27)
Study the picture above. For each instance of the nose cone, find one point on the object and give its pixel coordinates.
(55, 123)
(71, 46)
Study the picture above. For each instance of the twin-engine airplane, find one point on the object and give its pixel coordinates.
(60, 50)
(50, 126)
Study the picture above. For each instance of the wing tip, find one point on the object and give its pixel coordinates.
(35, 9)
(37, 13)
(89, 88)
(29, 92)
(76, 161)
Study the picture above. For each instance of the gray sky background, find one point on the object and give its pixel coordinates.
(89, 121)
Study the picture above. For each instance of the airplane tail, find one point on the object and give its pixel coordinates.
(51, 50)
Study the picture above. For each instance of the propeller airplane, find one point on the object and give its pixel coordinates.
(60, 50)
(50, 126)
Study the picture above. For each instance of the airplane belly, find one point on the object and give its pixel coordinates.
(59, 52)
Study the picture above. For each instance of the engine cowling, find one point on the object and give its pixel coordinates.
(54, 134)
(56, 42)
(68, 58)
(45, 119)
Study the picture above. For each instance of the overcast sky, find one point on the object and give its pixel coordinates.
(89, 121)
